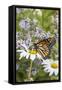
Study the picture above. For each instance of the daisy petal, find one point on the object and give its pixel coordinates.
(56, 72)
(51, 72)
(27, 56)
(39, 56)
(24, 46)
(32, 57)
(19, 51)
(46, 69)
(23, 54)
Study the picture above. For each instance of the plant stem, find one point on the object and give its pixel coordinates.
(30, 68)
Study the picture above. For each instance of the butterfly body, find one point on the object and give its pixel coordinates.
(44, 46)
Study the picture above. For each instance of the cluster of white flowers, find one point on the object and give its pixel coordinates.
(40, 33)
(27, 23)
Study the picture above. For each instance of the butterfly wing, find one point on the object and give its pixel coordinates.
(44, 46)
(44, 51)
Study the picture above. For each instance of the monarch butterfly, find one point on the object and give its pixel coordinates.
(44, 46)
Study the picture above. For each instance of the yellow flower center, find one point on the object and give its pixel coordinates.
(54, 65)
(32, 51)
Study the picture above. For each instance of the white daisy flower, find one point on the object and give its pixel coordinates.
(50, 67)
(32, 54)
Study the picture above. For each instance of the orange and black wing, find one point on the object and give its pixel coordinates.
(43, 47)
(44, 51)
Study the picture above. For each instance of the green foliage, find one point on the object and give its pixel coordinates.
(45, 22)
(41, 76)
